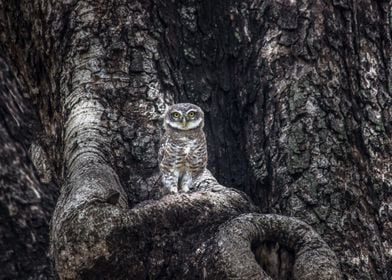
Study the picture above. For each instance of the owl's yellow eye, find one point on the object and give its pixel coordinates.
(191, 114)
(176, 115)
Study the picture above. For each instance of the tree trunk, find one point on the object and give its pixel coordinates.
(297, 96)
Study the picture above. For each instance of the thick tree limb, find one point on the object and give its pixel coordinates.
(95, 231)
(100, 239)
(231, 248)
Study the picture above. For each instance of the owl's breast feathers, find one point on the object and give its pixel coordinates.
(184, 152)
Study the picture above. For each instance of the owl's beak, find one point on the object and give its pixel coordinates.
(184, 122)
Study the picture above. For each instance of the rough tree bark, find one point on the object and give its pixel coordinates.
(26, 202)
(297, 96)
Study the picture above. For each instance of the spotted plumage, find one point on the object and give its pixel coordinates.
(183, 152)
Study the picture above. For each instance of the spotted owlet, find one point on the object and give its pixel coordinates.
(183, 152)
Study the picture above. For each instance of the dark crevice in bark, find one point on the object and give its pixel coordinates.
(276, 259)
(24, 218)
(219, 88)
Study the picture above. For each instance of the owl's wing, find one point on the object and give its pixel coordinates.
(162, 147)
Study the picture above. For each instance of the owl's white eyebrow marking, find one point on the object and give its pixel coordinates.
(191, 110)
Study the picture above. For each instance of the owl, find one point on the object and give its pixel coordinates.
(183, 152)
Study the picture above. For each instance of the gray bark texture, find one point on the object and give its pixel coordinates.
(298, 103)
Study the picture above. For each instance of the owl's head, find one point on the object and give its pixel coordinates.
(184, 116)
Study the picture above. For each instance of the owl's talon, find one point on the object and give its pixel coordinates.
(173, 191)
(217, 188)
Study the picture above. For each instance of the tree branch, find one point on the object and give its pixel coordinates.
(127, 242)
(232, 248)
